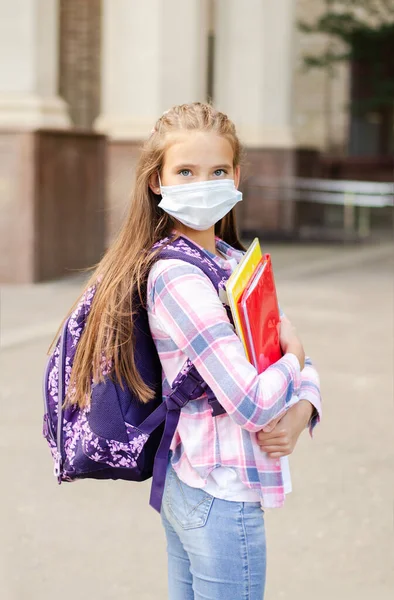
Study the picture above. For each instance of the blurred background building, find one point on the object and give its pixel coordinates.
(309, 84)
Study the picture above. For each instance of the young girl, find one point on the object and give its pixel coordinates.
(222, 470)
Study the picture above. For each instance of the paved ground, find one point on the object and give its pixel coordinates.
(101, 540)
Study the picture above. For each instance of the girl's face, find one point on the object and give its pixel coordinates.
(197, 156)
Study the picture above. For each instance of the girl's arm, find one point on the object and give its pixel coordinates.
(310, 394)
(189, 311)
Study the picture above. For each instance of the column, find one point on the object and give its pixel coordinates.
(253, 69)
(253, 85)
(153, 56)
(52, 176)
(29, 65)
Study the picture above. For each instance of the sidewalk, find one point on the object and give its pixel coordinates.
(101, 540)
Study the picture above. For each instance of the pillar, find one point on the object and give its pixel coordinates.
(52, 177)
(29, 67)
(153, 57)
(253, 85)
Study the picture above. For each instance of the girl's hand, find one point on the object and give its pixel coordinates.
(289, 340)
(282, 440)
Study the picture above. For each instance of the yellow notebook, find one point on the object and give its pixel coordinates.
(238, 281)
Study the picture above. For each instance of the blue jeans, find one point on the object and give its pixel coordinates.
(216, 548)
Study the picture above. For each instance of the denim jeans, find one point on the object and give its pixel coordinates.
(216, 548)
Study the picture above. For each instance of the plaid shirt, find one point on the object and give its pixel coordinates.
(188, 320)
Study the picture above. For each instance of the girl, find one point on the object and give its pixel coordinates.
(223, 470)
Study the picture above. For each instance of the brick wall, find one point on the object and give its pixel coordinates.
(52, 194)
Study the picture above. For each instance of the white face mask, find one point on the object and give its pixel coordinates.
(201, 204)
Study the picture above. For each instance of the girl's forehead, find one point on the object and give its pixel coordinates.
(197, 147)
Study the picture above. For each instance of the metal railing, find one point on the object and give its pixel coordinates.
(352, 195)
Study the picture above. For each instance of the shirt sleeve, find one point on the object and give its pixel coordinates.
(189, 311)
(310, 390)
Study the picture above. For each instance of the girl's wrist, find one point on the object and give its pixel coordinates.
(305, 409)
(298, 351)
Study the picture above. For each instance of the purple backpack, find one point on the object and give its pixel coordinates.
(117, 436)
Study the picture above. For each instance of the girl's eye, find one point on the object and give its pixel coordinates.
(219, 172)
(185, 172)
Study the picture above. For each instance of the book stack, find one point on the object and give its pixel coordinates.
(253, 301)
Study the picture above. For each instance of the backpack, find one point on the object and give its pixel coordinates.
(117, 436)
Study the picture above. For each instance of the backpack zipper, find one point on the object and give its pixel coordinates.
(57, 471)
(46, 405)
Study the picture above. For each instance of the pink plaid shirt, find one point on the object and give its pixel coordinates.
(188, 321)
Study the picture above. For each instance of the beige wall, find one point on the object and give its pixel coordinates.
(320, 113)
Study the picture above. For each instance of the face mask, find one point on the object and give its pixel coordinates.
(199, 205)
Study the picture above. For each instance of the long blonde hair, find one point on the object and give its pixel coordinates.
(123, 271)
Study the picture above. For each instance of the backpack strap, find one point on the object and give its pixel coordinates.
(189, 385)
(184, 249)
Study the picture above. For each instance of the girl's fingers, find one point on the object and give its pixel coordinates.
(271, 426)
(269, 449)
(277, 441)
(273, 435)
(278, 454)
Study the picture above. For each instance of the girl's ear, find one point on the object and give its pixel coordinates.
(154, 184)
(237, 176)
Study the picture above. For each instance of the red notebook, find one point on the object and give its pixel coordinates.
(259, 311)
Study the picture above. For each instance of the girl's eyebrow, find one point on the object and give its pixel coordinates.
(224, 166)
(190, 166)
(185, 166)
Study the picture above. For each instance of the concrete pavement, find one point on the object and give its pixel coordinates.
(101, 540)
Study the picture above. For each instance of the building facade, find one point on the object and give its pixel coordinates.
(83, 81)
